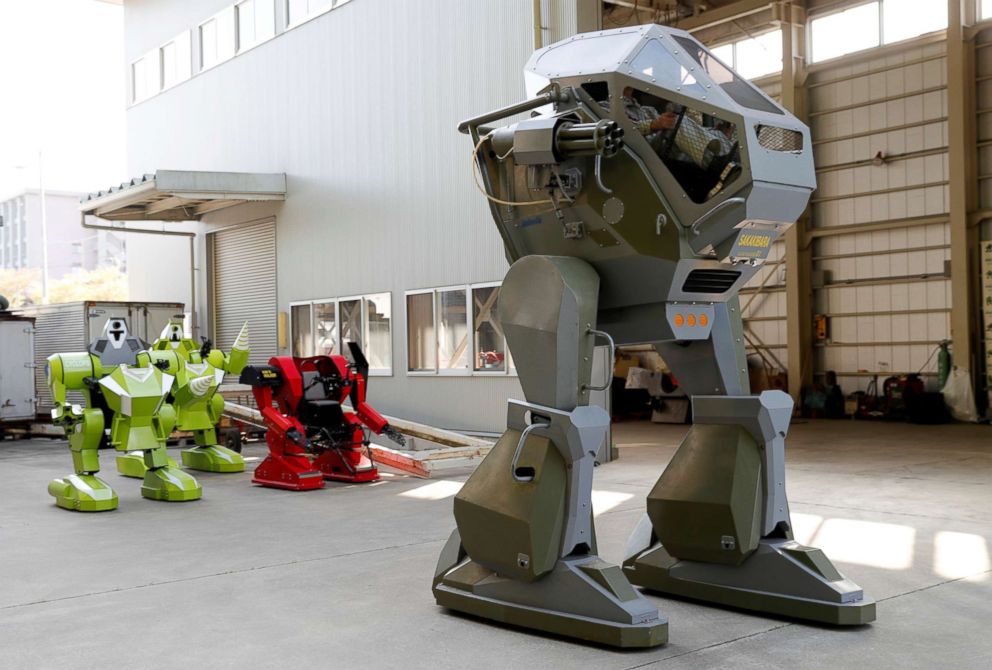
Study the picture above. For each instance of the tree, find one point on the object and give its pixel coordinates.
(23, 286)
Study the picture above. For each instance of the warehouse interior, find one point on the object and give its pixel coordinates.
(865, 335)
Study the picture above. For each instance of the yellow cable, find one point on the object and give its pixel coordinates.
(478, 185)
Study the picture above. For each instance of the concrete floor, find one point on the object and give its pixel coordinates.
(340, 578)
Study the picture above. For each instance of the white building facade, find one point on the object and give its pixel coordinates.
(382, 236)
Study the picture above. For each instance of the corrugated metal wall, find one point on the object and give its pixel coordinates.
(883, 286)
(359, 107)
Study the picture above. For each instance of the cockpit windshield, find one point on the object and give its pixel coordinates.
(740, 90)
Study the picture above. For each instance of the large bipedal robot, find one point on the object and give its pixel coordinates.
(125, 404)
(311, 435)
(670, 217)
(197, 372)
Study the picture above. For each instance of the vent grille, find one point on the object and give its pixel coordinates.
(710, 281)
(779, 139)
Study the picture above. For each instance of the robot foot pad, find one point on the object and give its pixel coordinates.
(290, 472)
(781, 577)
(83, 493)
(132, 464)
(170, 484)
(213, 459)
(582, 597)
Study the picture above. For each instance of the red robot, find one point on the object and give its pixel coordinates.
(311, 436)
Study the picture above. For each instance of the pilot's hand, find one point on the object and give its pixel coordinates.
(665, 122)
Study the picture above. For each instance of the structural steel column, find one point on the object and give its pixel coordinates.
(962, 175)
(798, 262)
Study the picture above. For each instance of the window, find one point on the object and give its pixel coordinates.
(301, 327)
(455, 331)
(754, 57)
(986, 9)
(145, 78)
(452, 330)
(421, 348)
(378, 331)
(844, 32)
(217, 38)
(301, 10)
(318, 327)
(256, 22)
(872, 24)
(490, 343)
(176, 57)
(325, 317)
(903, 19)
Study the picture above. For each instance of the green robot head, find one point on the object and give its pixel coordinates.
(173, 338)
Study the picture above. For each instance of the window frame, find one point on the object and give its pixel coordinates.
(509, 369)
(311, 15)
(882, 42)
(199, 37)
(240, 48)
(157, 54)
(161, 61)
(313, 329)
(336, 301)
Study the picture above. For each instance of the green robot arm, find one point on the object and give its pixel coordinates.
(69, 372)
(236, 361)
(167, 360)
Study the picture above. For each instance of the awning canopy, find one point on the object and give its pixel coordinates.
(181, 195)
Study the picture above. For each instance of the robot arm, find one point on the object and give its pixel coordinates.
(263, 379)
(68, 372)
(367, 414)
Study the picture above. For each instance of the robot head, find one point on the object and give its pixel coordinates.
(704, 153)
(173, 333)
(115, 331)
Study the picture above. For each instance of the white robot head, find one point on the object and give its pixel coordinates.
(115, 331)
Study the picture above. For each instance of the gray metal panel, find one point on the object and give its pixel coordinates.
(17, 395)
(244, 285)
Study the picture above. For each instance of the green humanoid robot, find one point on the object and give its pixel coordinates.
(125, 406)
(198, 371)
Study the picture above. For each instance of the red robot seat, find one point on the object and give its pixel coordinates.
(311, 436)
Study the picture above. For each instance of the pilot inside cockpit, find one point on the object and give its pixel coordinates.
(701, 151)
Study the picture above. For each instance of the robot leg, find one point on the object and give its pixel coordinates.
(718, 527)
(162, 480)
(207, 455)
(524, 551)
(84, 491)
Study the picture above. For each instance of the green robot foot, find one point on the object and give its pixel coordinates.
(213, 458)
(83, 493)
(132, 464)
(171, 484)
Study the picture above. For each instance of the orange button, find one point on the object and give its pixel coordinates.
(691, 320)
(703, 320)
(679, 321)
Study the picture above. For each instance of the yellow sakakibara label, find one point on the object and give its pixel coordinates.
(752, 240)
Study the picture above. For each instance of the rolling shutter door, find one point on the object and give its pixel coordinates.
(244, 288)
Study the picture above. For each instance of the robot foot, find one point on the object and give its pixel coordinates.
(582, 597)
(781, 577)
(348, 465)
(132, 464)
(288, 471)
(171, 484)
(83, 493)
(213, 458)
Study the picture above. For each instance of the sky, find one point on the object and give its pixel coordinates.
(62, 93)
